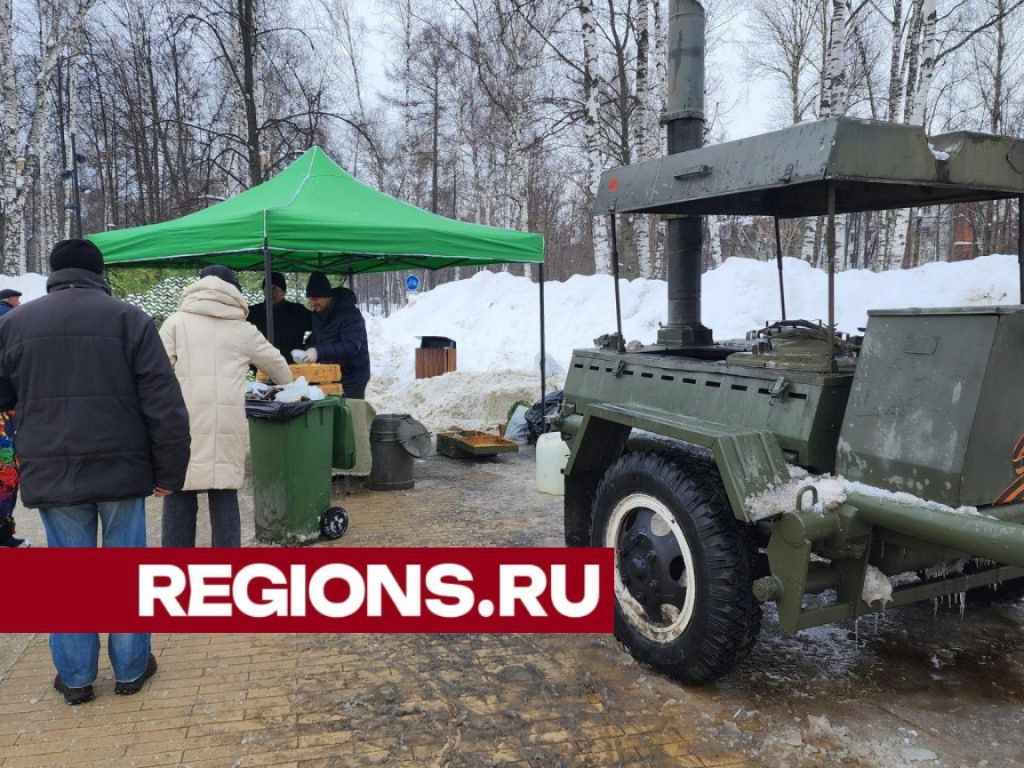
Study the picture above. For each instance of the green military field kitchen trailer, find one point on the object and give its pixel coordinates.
(314, 216)
(801, 466)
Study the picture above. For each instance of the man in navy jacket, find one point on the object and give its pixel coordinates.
(9, 299)
(339, 334)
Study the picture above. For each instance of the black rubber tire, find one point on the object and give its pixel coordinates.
(334, 523)
(726, 618)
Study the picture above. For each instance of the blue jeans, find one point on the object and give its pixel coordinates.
(76, 656)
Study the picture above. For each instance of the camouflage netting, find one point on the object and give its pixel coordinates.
(162, 300)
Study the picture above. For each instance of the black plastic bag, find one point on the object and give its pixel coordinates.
(271, 410)
(535, 416)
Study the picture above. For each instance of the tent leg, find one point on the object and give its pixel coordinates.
(831, 276)
(778, 259)
(1020, 243)
(615, 278)
(268, 292)
(543, 351)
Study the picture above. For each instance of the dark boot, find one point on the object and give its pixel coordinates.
(7, 537)
(74, 696)
(134, 686)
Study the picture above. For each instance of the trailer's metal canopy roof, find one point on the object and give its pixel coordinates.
(873, 166)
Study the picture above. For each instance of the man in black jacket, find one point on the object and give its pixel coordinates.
(339, 334)
(291, 321)
(101, 426)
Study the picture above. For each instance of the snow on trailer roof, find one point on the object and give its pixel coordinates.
(873, 166)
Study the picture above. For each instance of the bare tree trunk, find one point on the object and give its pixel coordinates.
(833, 97)
(895, 73)
(714, 240)
(912, 59)
(72, 129)
(591, 117)
(917, 99)
(641, 223)
(10, 161)
(887, 219)
(55, 38)
(928, 43)
(656, 133)
(247, 38)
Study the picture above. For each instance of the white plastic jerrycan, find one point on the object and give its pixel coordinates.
(552, 455)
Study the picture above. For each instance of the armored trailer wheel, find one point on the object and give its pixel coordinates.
(334, 523)
(683, 599)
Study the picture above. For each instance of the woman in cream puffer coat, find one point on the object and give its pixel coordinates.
(211, 346)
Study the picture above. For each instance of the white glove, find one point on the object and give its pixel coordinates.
(298, 355)
(310, 356)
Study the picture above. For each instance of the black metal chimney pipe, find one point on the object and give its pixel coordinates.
(684, 122)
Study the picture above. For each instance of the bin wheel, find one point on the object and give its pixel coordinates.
(334, 523)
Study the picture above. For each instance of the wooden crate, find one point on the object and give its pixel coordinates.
(315, 373)
(434, 362)
(462, 444)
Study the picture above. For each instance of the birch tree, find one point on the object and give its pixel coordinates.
(592, 141)
(639, 126)
(834, 87)
(22, 140)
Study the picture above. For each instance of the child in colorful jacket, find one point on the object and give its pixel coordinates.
(8, 482)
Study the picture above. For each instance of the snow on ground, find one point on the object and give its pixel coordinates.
(494, 319)
(464, 400)
(493, 316)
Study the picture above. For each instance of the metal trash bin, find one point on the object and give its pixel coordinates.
(395, 440)
(291, 475)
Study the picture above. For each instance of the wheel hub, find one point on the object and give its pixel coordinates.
(654, 576)
(645, 566)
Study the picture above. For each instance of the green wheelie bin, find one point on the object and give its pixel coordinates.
(344, 450)
(291, 476)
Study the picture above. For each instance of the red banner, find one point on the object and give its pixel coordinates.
(307, 590)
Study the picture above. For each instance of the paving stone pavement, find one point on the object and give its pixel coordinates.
(885, 694)
(313, 701)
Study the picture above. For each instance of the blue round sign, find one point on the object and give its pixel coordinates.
(412, 282)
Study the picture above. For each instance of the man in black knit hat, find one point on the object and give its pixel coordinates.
(101, 426)
(291, 321)
(339, 334)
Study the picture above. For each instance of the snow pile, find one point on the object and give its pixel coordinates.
(30, 285)
(493, 316)
(466, 400)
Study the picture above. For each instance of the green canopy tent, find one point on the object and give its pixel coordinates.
(315, 216)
